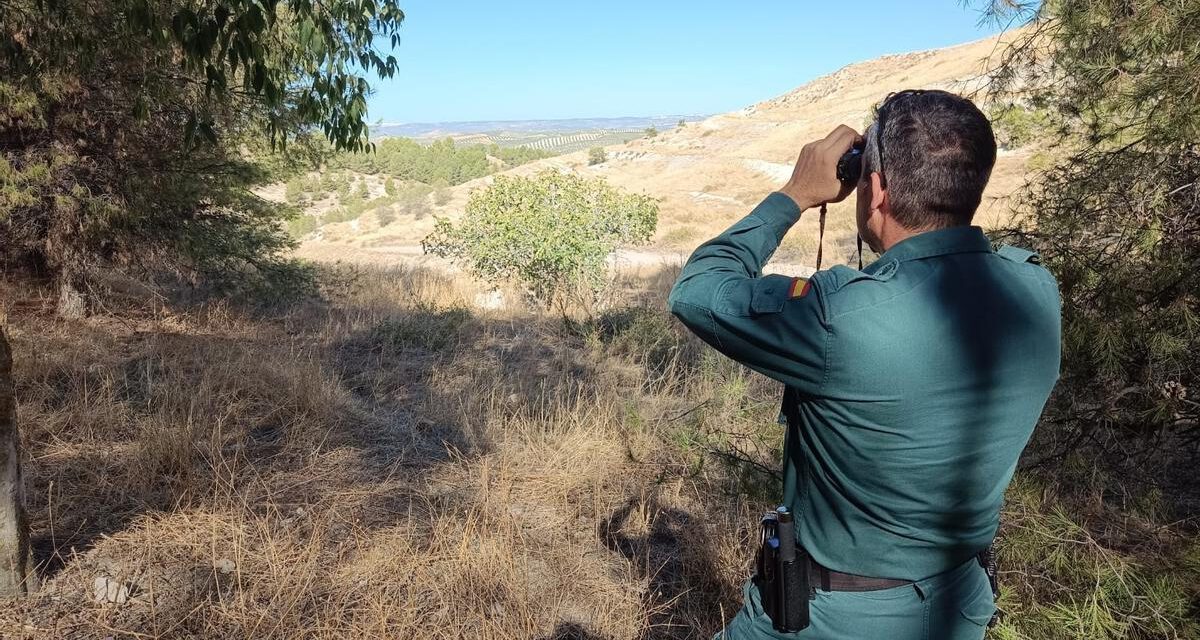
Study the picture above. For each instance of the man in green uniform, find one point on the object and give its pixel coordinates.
(911, 386)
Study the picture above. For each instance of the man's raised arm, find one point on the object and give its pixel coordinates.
(722, 296)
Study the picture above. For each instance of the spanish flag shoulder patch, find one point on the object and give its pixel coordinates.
(800, 288)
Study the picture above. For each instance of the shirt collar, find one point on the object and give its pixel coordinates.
(939, 242)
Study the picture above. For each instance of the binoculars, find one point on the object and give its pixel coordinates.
(850, 165)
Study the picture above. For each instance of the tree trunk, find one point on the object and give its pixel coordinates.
(71, 303)
(16, 574)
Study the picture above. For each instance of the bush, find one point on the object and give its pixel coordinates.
(550, 233)
(385, 215)
(645, 335)
(1017, 125)
(651, 132)
(427, 327)
(441, 196)
(683, 236)
(597, 155)
(294, 192)
(332, 181)
(301, 225)
(1078, 583)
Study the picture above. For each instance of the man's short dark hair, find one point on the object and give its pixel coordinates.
(937, 151)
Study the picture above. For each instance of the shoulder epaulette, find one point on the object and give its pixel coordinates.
(839, 276)
(1017, 254)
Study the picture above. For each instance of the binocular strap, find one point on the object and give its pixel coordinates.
(821, 240)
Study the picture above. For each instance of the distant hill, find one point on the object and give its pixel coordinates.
(709, 173)
(500, 127)
(555, 136)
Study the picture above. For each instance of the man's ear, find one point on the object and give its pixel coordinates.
(878, 192)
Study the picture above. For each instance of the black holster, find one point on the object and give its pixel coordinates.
(782, 573)
(987, 560)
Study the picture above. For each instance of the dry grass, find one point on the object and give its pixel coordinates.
(393, 463)
(389, 464)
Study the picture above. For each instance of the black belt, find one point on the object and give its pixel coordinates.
(830, 580)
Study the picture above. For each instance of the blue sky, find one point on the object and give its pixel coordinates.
(469, 60)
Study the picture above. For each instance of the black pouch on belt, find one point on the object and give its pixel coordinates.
(987, 560)
(783, 574)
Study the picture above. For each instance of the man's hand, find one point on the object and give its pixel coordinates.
(814, 180)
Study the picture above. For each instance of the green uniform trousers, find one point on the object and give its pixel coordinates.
(955, 605)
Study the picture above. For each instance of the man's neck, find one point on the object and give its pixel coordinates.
(893, 233)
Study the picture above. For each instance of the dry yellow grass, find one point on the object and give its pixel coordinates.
(389, 464)
(394, 463)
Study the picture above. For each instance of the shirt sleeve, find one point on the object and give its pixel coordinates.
(773, 324)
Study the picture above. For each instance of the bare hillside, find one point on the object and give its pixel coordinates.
(709, 173)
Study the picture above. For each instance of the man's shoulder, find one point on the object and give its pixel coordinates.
(1024, 261)
(845, 288)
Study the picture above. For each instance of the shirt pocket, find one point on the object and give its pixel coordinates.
(769, 294)
(747, 297)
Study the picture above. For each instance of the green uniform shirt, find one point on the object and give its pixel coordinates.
(911, 386)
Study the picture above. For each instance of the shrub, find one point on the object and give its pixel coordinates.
(301, 225)
(597, 155)
(647, 336)
(427, 327)
(294, 191)
(385, 215)
(1017, 125)
(550, 233)
(330, 180)
(682, 236)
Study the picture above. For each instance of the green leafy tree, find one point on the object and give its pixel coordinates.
(132, 133)
(299, 62)
(651, 132)
(1116, 216)
(597, 155)
(550, 233)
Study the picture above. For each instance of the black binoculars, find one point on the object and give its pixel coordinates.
(850, 165)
